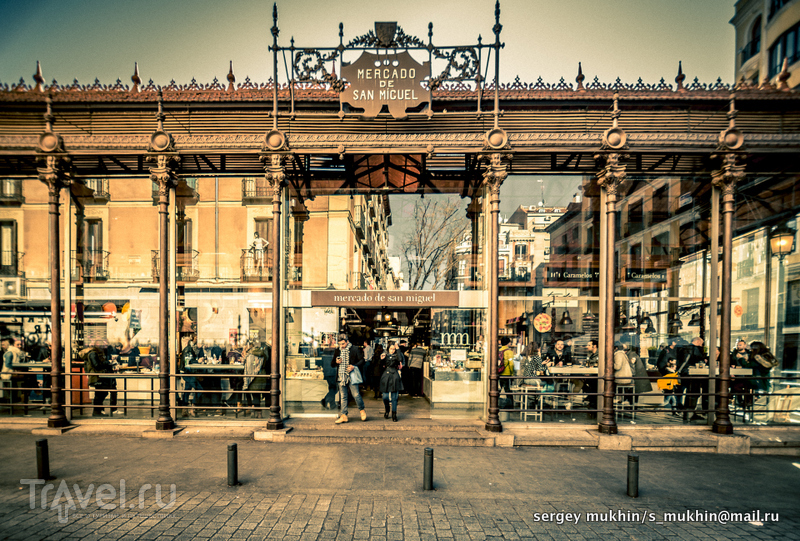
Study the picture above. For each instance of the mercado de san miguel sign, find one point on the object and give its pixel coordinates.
(393, 80)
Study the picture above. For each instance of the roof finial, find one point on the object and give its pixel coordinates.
(38, 78)
(135, 78)
(231, 78)
(680, 78)
(579, 79)
(783, 76)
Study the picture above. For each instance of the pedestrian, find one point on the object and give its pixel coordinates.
(94, 364)
(254, 380)
(347, 359)
(391, 383)
(416, 361)
(690, 357)
(378, 365)
(366, 374)
(329, 373)
(190, 383)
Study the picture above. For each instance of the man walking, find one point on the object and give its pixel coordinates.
(346, 359)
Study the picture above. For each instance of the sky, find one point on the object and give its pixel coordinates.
(182, 39)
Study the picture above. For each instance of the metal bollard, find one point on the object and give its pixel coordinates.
(427, 476)
(42, 460)
(633, 475)
(233, 465)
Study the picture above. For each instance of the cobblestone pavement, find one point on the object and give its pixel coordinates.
(299, 492)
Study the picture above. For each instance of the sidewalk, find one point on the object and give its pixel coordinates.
(308, 491)
(753, 440)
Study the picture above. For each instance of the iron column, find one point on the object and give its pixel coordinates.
(609, 180)
(725, 179)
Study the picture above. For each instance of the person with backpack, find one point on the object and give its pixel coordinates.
(95, 363)
(505, 363)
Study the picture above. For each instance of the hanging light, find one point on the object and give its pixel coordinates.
(675, 322)
(565, 319)
(695, 321)
(588, 315)
(623, 320)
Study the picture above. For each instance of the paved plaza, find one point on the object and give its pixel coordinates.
(304, 491)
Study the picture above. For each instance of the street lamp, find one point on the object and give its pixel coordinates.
(781, 241)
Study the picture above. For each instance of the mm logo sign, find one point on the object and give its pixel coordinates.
(454, 339)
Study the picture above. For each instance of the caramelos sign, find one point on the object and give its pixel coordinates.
(394, 80)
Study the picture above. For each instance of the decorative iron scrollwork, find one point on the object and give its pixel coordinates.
(463, 60)
(401, 40)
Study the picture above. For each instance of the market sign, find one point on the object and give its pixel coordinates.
(563, 274)
(379, 299)
(394, 80)
(650, 275)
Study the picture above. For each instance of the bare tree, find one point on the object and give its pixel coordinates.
(438, 225)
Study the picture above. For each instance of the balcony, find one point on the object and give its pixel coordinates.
(99, 187)
(187, 268)
(256, 190)
(11, 192)
(186, 191)
(358, 220)
(11, 263)
(513, 275)
(256, 266)
(91, 266)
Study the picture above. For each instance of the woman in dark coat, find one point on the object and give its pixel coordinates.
(391, 384)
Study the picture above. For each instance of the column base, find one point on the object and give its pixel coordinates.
(722, 428)
(274, 425)
(165, 425)
(493, 427)
(57, 422)
(607, 428)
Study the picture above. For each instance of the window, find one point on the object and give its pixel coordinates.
(263, 226)
(635, 217)
(750, 315)
(8, 248)
(783, 47)
(520, 250)
(753, 47)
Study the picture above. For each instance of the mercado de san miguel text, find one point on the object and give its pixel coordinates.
(180, 228)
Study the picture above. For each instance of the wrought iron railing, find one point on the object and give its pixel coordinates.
(256, 265)
(187, 269)
(255, 188)
(90, 265)
(99, 186)
(191, 183)
(11, 190)
(11, 263)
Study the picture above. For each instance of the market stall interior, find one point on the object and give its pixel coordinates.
(450, 376)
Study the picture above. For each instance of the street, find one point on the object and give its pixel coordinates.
(303, 491)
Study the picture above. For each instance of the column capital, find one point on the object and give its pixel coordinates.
(613, 172)
(497, 164)
(731, 172)
(164, 170)
(274, 170)
(55, 171)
